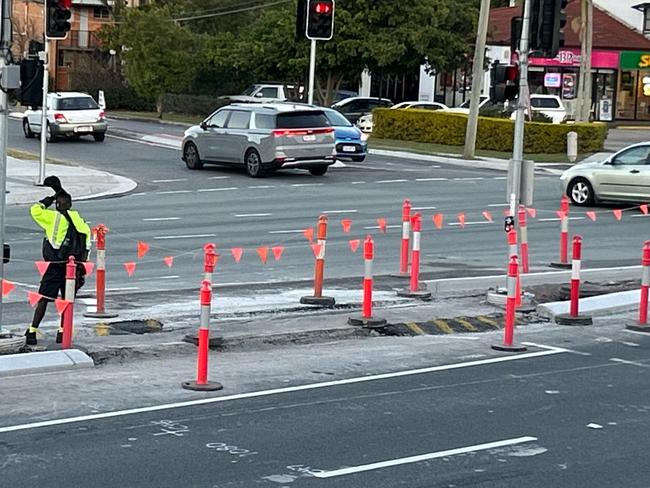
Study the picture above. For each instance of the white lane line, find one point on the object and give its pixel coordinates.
(307, 184)
(358, 183)
(140, 141)
(642, 216)
(498, 205)
(630, 363)
(160, 219)
(289, 389)
(435, 167)
(372, 227)
(203, 190)
(218, 177)
(124, 288)
(391, 181)
(484, 222)
(556, 219)
(431, 179)
(190, 236)
(254, 215)
(172, 192)
(287, 231)
(422, 457)
(469, 179)
(169, 181)
(626, 330)
(141, 194)
(499, 177)
(171, 277)
(423, 208)
(261, 186)
(339, 211)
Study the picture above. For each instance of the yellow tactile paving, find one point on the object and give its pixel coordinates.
(488, 321)
(466, 325)
(415, 328)
(443, 326)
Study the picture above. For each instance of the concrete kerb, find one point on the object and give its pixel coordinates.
(43, 362)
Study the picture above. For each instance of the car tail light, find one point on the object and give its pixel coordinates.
(60, 118)
(102, 115)
(302, 132)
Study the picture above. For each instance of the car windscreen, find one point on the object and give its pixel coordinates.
(249, 91)
(336, 119)
(302, 120)
(544, 103)
(76, 103)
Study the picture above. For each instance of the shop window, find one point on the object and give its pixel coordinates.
(626, 96)
(101, 13)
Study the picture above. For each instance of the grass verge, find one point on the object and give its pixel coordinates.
(171, 117)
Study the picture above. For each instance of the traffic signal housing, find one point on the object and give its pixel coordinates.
(57, 20)
(320, 20)
(504, 82)
(31, 83)
(547, 23)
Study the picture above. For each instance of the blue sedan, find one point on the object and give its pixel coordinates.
(351, 143)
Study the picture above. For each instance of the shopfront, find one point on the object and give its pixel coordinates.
(633, 91)
(560, 75)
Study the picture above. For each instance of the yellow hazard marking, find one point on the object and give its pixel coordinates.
(488, 321)
(466, 324)
(443, 326)
(415, 328)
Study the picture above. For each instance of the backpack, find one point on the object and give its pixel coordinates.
(74, 243)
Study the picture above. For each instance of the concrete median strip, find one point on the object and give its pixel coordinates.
(596, 305)
(43, 362)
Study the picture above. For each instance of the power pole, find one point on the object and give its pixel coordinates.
(477, 81)
(5, 46)
(584, 79)
(46, 75)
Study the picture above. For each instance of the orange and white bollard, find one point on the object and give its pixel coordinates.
(642, 325)
(100, 276)
(202, 383)
(406, 234)
(367, 319)
(319, 270)
(209, 261)
(414, 290)
(508, 344)
(523, 238)
(513, 251)
(574, 317)
(564, 235)
(68, 314)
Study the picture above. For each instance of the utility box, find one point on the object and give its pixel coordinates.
(10, 77)
(572, 146)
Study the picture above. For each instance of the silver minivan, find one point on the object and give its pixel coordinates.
(263, 138)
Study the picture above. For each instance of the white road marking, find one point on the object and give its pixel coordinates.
(171, 277)
(169, 181)
(640, 216)
(549, 350)
(262, 186)
(469, 179)
(358, 183)
(160, 219)
(371, 227)
(632, 331)
(422, 457)
(391, 181)
(185, 237)
(141, 194)
(254, 215)
(435, 167)
(203, 190)
(339, 211)
(423, 208)
(431, 179)
(498, 205)
(557, 219)
(124, 288)
(172, 192)
(484, 222)
(139, 141)
(218, 177)
(499, 177)
(307, 184)
(296, 231)
(631, 363)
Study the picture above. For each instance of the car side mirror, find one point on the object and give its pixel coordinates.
(259, 95)
(204, 125)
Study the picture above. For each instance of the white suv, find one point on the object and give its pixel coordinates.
(68, 114)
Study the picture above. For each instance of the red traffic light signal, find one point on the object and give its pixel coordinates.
(57, 19)
(320, 20)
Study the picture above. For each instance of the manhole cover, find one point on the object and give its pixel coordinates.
(128, 327)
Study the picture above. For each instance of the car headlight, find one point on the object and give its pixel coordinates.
(364, 137)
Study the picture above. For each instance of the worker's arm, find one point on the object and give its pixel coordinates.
(42, 216)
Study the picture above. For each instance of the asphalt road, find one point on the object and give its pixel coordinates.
(549, 417)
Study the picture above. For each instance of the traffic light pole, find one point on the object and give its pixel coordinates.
(46, 76)
(312, 71)
(5, 46)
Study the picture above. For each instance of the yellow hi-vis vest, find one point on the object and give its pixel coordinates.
(55, 224)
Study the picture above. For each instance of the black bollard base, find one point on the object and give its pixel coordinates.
(369, 323)
(567, 319)
(319, 301)
(510, 348)
(194, 386)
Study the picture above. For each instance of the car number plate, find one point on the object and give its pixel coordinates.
(309, 138)
(349, 149)
(83, 128)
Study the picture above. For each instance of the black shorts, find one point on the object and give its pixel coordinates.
(53, 281)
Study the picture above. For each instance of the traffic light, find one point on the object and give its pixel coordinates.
(301, 19)
(516, 24)
(320, 19)
(505, 82)
(57, 18)
(31, 83)
(547, 23)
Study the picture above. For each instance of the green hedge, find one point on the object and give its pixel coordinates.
(192, 104)
(493, 134)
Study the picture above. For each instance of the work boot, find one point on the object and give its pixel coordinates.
(30, 336)
(59, 336)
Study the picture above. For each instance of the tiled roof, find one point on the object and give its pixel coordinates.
(609, 32)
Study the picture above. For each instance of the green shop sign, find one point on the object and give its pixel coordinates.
(635, 60)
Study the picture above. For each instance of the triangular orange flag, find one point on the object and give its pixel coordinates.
(560, 214)
(461, 219)
(143, 248)
(591, 215)
(309, 233)
(89, 267)
(381, 222)
(237, 253)
(130, 268)
(61, 305)
(488, 216)
(169, 261)
(532, 212)
(437, 220)
(618, 213)
(277, 252)
(42, 266)
(263, 252)
(347, 224)
(644, 209)
(316, 249)
(33, 297)
(7, 287)
(354, 244)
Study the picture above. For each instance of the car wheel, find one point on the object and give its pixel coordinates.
(253, 163)
(581, 192)
(49, 137)
(318, 170)
(27, 129)
(358, 159)
(191, 156)
(99, 136)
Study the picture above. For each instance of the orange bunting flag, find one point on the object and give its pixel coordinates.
(309, 233)
(591, 215)
(488, 216)
(354, 244)
(61, 305)
(42, 266)
(143, 248)
(381, 222)
(130, 268)
(437, 220)
(532, 212)
(560, 214)
(237, 253)
(89, 267)
(316, 249)
(7, 287)
(618, 213)
(169, 261)
(347, 224)
(277, 252)
(644, 209)
(33, 297)
(263, 252)
(461, 219)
